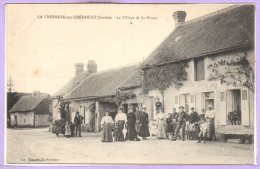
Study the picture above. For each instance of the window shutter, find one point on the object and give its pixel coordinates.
(245, 107)
(193, 100)
(223, 108)
(176, 102)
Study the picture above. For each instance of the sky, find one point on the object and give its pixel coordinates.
(44, 41)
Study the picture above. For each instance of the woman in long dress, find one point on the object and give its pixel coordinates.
(120, 120)
(107, 126)
(161, 121)
(144, 132)
(131, 133)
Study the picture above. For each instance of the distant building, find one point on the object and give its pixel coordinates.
(92, 93)
(31, 111)
(227, 35)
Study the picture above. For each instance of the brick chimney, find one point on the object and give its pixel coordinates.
(92, 66)
(36, 93)
(179, 18)
(79, 67)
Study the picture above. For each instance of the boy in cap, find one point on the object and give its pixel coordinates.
(204, 128)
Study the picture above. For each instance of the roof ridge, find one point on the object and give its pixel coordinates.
(116, 68)
(212, 14)
(67, 94)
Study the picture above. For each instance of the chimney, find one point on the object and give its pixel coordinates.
(36, 93)
(179, 18)
(92, 66)
(79, 67)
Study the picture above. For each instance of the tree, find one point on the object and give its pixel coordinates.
(236, 72)
(161, 77)
(10, 85)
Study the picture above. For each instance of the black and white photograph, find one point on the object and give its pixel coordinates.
(130, 84)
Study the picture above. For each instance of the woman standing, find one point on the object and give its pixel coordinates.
(144, 131)
(161, 125)
(131, 133)
(107, 126)
(120, 119)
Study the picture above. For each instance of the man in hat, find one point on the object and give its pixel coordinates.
(158, 104)
(181, 120)
(78, 121)
(174, 116)
(144, 119)
(210, 114)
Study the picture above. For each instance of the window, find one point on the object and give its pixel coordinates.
(234, 107)
(199, 69)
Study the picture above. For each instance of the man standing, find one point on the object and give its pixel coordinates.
(210, 114)
(174, 116)
(144, 132)
(78, 122)
(158, 104)
(181, 119)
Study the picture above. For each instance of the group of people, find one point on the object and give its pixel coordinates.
(128, 126)
(192, 125)
(181, 125)
(74, 129)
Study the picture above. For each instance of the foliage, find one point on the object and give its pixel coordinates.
(10, 85)
(161, 77)
(64, 108)
(118, 98)
(236, 72)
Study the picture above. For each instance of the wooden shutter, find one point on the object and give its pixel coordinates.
(245, 107)
(193, 100)
(176, 102)
(222, 108)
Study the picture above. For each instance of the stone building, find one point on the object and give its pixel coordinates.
(31, 111)
(214, 45)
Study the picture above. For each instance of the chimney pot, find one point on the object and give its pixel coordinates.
(92, 66)
(79, 67)
(36, 93)
(179, 17)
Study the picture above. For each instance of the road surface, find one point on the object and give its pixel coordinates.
(41, 146)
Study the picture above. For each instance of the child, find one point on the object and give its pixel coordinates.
(116, 133)
(204, 129)
(67, 130)
(169, 127)
(188, 131)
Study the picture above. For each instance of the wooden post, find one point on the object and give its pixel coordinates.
(97, 117)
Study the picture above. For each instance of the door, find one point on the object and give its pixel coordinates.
(15, 121)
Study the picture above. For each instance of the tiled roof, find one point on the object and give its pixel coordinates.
(135, 80)
(227, 29)
(102, 83)
(70, 85)
(28, 103)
